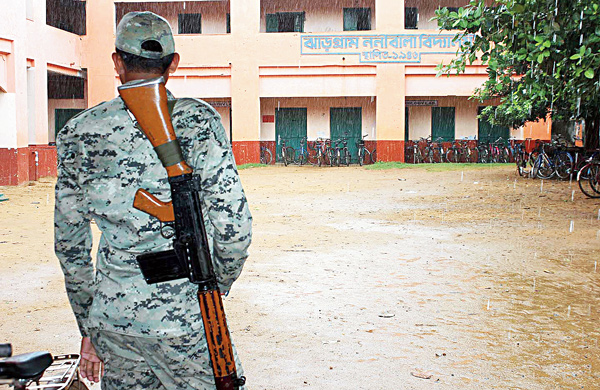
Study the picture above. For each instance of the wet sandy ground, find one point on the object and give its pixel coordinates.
(358, 279)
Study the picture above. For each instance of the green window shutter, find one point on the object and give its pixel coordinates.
(350, 19)
(228, 24)
(272, 23)
(489, 133)
(62, 116)
(190, 23)
(364, 19)
(443, 123)
(299, 24)
(411, 18)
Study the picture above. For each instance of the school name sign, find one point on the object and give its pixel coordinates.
(407, 48)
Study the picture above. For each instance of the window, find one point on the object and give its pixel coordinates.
(67, 15)
(62, 116)
(411, 18)
(357, 19)
(228, 23)
(285, 22)
(443, 123)
(190, 24)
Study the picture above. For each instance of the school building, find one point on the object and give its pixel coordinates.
(276, 70)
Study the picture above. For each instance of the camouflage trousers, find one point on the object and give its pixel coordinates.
(150, 363)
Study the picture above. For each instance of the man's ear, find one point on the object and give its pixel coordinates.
(174, 64)
(119, 64)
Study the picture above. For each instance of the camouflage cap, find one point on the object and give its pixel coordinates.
(138, 27)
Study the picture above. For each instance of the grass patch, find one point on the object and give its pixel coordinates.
(443, 167)
(248, 166)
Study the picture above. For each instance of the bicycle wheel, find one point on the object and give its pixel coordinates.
(564, 165)
(302, 159)
(494, 157)
(483, 155)
(366, 157)
(374, 156)
(346, 157)
(418, 159)
(360, 156)
(521, 165)
(543, 167)
(331, 157)
(452, 156)
(266, 156)
(428, 155)
(590, 186)
(504, 155)
(290, 156)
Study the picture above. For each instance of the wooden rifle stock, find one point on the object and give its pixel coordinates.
(147, 101)
(148, 203)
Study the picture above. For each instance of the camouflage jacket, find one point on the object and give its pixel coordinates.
(102, 160)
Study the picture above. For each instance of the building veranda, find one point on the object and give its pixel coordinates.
(276, 70)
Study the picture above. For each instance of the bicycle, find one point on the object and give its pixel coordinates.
(524, 158)
(339, 155)
(39, 370)
(265, 155)
(301, 157)
(344, 153)
(417, 153)
(364, 155)
(287, 154)
(561, 163)
(321, 148)
(499, 151)
(434, 152)
(589, 176)
(483, 153)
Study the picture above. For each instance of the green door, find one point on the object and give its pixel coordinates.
(62, 116)
(290, 127)
(489, 133)
(442, 123)
(347, 123)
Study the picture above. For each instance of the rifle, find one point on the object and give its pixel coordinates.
(190, 256)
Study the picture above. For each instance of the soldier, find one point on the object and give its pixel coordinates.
(145, 336)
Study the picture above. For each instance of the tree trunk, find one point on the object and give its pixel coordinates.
(592, 132)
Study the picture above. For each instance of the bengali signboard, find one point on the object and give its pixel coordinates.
(421, 103)
(402, 48)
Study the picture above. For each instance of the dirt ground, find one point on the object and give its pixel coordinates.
(363, 279)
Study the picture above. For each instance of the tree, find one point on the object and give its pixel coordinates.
(542, 57)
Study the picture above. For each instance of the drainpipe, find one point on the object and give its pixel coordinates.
(37, 161)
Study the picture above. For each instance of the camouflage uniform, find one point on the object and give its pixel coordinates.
(102, 160)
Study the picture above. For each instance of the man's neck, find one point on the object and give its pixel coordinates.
(132, 76)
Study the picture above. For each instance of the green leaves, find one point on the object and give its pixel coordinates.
(539, 60)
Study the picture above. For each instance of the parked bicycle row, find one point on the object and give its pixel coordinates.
(424, 150)
(320, 152)
(556, 159)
